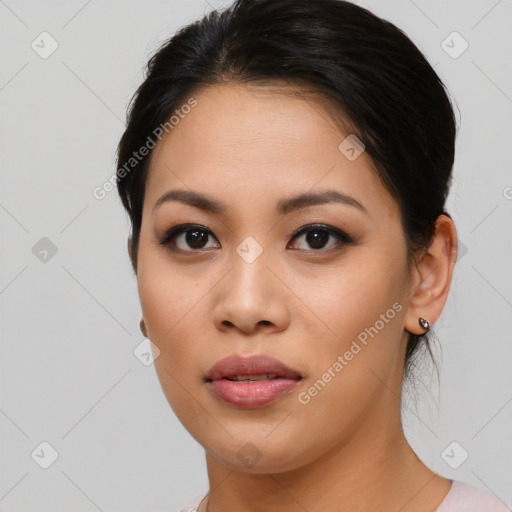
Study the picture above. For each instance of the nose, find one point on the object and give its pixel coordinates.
(251, 299)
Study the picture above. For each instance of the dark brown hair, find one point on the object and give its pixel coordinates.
(378, 79)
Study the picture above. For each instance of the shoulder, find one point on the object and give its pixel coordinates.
(466, 498)
(192, 506)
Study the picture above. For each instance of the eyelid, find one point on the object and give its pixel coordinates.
(337, 233)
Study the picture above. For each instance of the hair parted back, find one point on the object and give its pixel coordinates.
(378, 81)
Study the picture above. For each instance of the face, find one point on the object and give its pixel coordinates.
(318, 283)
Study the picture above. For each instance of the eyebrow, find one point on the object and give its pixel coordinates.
(284, 206)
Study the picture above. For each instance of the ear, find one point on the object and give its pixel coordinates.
(130, 253)
(432, 276)
(143, 328)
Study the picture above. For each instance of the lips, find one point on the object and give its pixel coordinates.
(258, 367)
(251, 382)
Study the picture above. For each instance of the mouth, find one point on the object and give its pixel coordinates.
(251, 382)
(251, 368)
(253, 378)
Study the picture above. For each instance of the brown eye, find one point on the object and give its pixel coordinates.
(320, 237)
(196, 239)
(188, 239)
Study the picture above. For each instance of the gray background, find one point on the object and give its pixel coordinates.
(69, 323)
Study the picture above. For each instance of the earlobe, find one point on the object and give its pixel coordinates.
(143, 328)
(433, 276)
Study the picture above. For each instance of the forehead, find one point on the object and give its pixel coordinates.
(244, 143)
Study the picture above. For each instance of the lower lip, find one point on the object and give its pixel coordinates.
(252, 395)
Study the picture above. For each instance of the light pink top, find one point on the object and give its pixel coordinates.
(461, 498)
(465, 498)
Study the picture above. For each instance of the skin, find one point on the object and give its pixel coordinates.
(345, 450)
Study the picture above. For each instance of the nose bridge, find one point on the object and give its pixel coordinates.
(250, 294)
(250, 275)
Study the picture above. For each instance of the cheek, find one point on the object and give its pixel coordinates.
(170, 305)
(363, 307)
(169, 311)
(166, 291)
(348, 368)
(361, 301)
(170, 299)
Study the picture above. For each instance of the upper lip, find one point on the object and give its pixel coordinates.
(237, 365)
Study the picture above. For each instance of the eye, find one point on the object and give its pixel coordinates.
(187, 238)
(192, 238)
(319, 236)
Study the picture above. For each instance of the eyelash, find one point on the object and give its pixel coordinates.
(342, 238)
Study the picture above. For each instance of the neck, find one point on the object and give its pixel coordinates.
(375, 469)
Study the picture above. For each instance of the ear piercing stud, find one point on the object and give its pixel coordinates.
(424, 323)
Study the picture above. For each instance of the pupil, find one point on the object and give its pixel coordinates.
(196, 238)
(317, 239)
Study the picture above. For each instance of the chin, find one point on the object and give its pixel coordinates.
(260, 457)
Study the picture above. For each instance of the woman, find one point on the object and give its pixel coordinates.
(285, 168)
